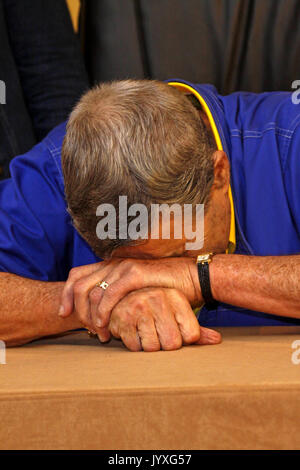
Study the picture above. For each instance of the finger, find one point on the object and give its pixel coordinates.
(147, 332)
(94, 299)
(97, 294)
(191, 331)
(119, 286)
(131, 339)
(208, 336)
(167, 330)
(67, 298)
(81, 293)
(130, 276)
(104, 334)
(187, 322)
(120, 327)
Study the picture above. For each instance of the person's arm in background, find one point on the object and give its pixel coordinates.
(48, 57)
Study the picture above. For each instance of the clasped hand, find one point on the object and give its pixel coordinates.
(147, 304)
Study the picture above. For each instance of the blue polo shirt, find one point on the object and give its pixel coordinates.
(261, 136)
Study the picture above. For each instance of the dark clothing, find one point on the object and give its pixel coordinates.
(251, 45)
(41, 65)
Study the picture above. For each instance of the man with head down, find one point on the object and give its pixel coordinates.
(155, 199)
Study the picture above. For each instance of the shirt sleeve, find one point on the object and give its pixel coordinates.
(35, 228)
(292, 174)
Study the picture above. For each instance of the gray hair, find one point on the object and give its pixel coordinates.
(139, 138)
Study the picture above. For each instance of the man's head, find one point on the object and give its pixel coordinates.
(144, 140)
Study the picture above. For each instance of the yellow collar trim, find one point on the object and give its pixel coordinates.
(232, 236)
(183, 86)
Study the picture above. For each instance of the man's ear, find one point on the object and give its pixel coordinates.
(221, 171)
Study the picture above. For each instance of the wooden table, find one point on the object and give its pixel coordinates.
(71, 392)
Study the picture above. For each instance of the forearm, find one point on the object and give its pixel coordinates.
(266, 284)
(29, 310)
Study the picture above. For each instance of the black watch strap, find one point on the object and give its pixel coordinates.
(203, 272)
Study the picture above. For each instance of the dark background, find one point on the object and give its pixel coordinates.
(251, 45)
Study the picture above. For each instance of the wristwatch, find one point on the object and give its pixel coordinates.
(203, 262)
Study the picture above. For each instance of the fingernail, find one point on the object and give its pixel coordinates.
(61, 311)
(103, 340)
(99, 323)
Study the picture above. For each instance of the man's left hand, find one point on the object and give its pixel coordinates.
(94, 305)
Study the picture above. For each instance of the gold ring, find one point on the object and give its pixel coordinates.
(102, 284)
(91, 334)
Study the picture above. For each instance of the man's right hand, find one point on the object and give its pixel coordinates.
(158, 318)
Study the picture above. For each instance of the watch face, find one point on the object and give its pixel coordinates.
(204, 258)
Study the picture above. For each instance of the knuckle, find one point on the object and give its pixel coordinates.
(133, 303)
(132, 268)
(135, 271)
(126, 263)
(111, 291)
(127, 319)
(137, 306)
(122, 318)
(94, 296)
(79, 288)
(173, 343)
(145, 322)
(191, 337)
(73, 273)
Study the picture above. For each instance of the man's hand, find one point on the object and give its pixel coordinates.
(94, 305)
(158, 318)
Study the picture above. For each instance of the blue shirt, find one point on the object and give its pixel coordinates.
(37, 238)
(261, 136)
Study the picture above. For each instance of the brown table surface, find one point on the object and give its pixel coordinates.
(71, 392)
